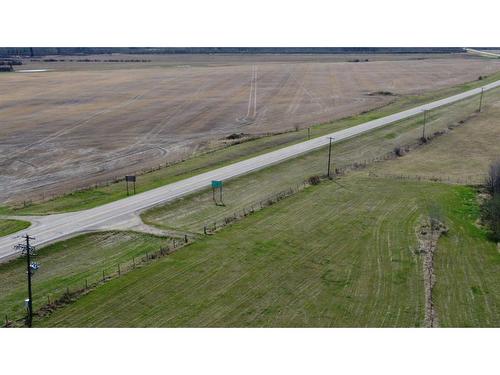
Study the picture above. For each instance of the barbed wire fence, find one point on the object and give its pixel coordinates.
(69, 292)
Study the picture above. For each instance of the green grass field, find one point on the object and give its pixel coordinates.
(328, 256)
(12, 226)
(201, 163)
(67, 264)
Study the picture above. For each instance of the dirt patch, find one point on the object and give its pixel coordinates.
(382, 93)
(428, 235)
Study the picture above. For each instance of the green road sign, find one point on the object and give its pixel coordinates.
(216, 184)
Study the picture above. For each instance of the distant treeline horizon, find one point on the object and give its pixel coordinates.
(44, 51)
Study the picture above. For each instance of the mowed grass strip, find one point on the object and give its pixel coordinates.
(328, 256)
(193, 212)
(8, 226)
(201, 163)
(67, 264)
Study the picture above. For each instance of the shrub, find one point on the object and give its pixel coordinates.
(314, 180)
(493, 179)
(398, 151)
(382, 93)
(435, 217)
(235, 136)
(491, 214)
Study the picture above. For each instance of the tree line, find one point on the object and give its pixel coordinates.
(44, 51)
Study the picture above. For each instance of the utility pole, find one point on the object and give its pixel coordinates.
(308, 133)
(423, 129)
(29, 251)
(481, 99)
(329, 155)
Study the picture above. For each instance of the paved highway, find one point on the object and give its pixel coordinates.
(482, 53)
(52, 228)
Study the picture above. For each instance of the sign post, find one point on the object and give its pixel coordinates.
(216, 184)
(130, 179)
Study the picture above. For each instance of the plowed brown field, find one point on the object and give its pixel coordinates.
(83, 123)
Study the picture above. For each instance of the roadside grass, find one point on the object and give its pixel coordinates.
(67, 264)
(462, 155)
(8, 226)
(193, 212)
(334, 255)
(93, 197)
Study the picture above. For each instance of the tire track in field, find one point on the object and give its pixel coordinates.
(274, 89)
(145, 142)
(252, 98)
(314, 98)
(76, 125)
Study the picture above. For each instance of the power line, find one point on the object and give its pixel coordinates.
(423, 129)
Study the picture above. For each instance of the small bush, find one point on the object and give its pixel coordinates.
(314, 180)
(491, 215)
(235, 136)
(436, 217)
(398, 151)
(493, 179)
(382, 93)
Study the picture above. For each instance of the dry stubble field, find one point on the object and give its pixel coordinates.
(82, 123)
